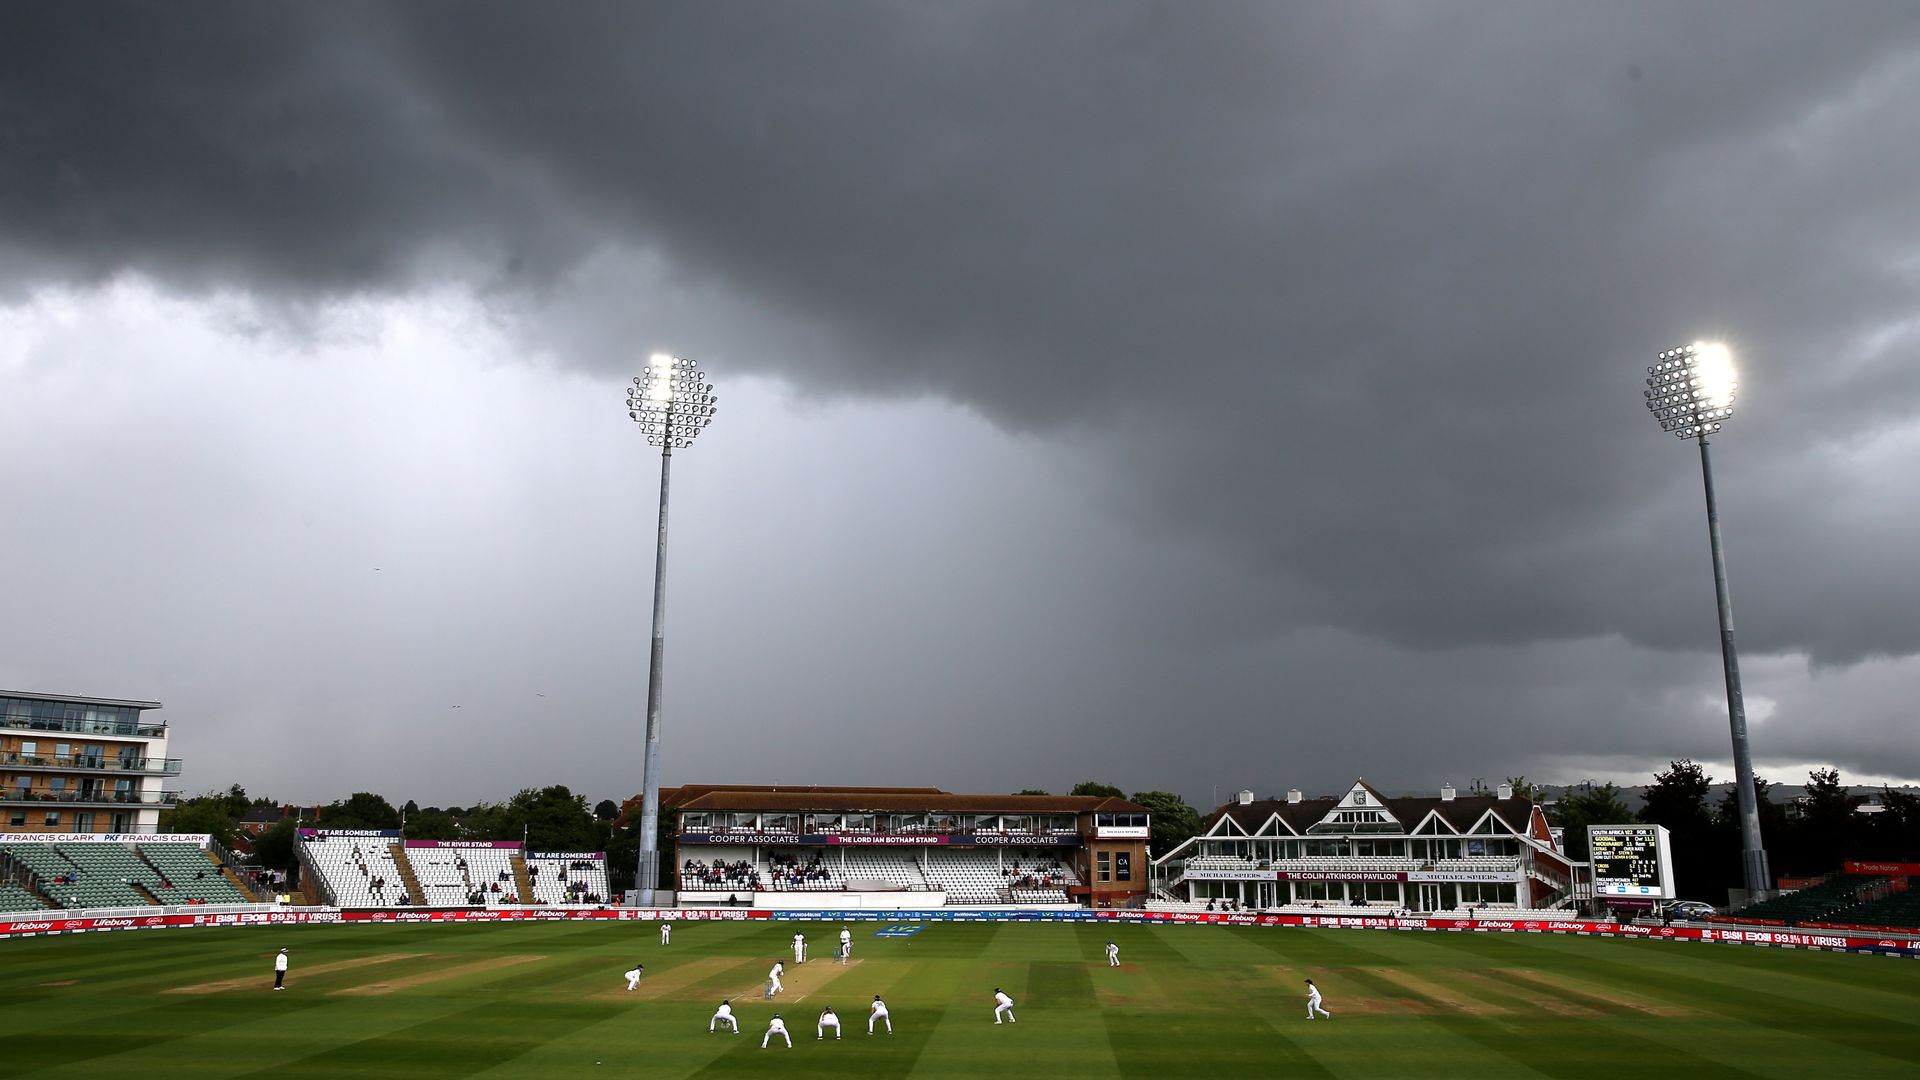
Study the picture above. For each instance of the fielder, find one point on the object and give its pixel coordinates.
(1113, 955)
(878, 1011)
(799, 948)
(724, 1016)
(1313, 1002)
(776, 1027)
(633, 976)
(846, 945)
(827, 1020)
(666, 933)
(280, 970)
(773, 978)
(1002, 1004)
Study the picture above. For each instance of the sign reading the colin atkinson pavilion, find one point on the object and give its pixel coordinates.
(1631, 860)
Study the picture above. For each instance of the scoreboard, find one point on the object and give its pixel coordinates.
(1631, 860)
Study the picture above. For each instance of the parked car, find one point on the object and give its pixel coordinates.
(1688, 909)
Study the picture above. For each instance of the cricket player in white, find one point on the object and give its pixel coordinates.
(827, 1020)
(666, 933)
(1313, 1002)
(878, 1011)
(280, 971)
(799, 948)
(1002, 1004)
(773, 978)
(776, 1027)
(846, 944)
(1113, 955)
(633, 976)
(724, 1015)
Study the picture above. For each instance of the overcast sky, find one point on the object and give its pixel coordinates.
(1186, 396)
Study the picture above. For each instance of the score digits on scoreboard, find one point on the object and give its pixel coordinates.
(1631, 860)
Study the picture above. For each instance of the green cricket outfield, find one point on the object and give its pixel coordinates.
(548, 1000)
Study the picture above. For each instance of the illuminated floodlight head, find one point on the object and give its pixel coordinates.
(1690, 390)
(673, 402)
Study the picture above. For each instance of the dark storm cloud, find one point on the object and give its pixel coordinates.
(1351, 298)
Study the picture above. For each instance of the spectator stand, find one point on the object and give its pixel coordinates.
(354, 868)
(568, 878)
(454, 873)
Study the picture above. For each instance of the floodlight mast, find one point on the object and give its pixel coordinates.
(673, 402)
(1690, 392)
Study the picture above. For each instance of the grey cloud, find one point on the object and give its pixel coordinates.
(1350, 299)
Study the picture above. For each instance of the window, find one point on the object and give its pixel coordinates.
(83, 822)
(62, 749)
(57, 785)
(1123, 866)
(28, 748)
(53, 819)
(1103, 861)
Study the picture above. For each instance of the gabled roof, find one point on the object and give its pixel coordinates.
(1460, 813)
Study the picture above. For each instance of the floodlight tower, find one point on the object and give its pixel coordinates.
(673, 402)
(1690, 391)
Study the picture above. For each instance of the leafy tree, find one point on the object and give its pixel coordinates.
(411, 807)
(606, 810)
(1895, 832)
(1577, 810)
(1173, 822)
(201, 814)
(273, 849)
(551, 819)
(432, 825)
(361, 810)
(1677, 798)
(1032, 791)
(1094, 787)
(1829, 830)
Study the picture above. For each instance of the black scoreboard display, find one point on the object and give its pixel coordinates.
(1631, 860)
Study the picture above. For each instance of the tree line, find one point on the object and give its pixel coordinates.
(1808, 837)
(547, 819)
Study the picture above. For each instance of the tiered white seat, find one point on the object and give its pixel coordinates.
(556, 878)
(888, 866)
(358, 870)
(967, 877)
(451, 876)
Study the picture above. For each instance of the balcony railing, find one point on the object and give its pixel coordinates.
(122, 728)
(17, 797)
(88, 763)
